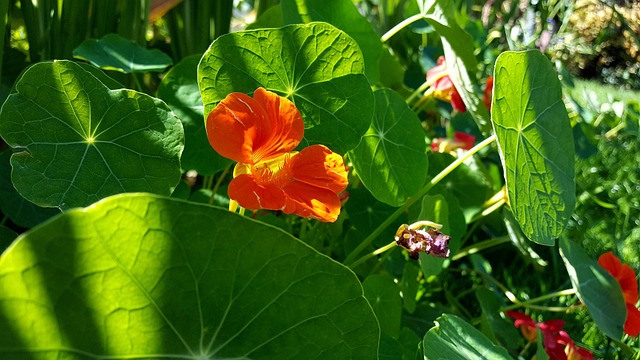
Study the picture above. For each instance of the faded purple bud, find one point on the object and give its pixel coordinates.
(415, 241)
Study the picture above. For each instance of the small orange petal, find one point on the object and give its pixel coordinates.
(250, 130)
(253, 196)
(632, 324)
(310, 201)
(318, 166)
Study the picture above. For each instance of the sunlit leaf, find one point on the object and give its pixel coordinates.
(597, 289)
(316, 66)
(452, 338)
(113, 52)
(77, 142)
(345, 16)
(535, 142)
(391, 159)
(147, 277)
(179, 89)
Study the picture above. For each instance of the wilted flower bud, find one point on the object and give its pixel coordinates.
(416, 240)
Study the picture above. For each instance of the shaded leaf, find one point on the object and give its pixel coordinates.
(6, 237)
(179, 89)
(113, 52)
(597, 289)
(345, 16)
(316, 66)
(535, 142)
(20, 210)
(384, 296)
(272, 18)
(502, 329)
(453, 338)
(78, 142)
(391, 159)
(142, 276)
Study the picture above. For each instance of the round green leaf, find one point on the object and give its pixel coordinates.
(391, 159)
(454, 339)
(384, 296)
(316, 66)
(597, 289)
(113, 52)
(79, 142)
(345, 16)
(21, 211)
(536, 144)
(179, 89)
(147, 277)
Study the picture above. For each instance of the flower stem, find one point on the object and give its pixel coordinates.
(396, 29)
(401, 210)
(479, 247)
(377, 252)
(214, 191)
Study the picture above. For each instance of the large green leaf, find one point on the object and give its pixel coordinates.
(597, 289)
(535, 142)
(78, 142)
(345, 16)
(391, 160)
(147, 277)
(179, 89)
(452, 338)
(384, 296)
(317, 66)
(113, 52)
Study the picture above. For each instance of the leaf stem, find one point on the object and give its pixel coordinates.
(214, 191)
(475, 248)
(406, 22)
(401, 210)
(529, 303)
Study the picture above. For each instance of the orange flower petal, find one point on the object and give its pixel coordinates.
(318, 166)
(488, 93)
(623, 273)
(249, 130)
(253, 196)
(310, 201)
(632, 324)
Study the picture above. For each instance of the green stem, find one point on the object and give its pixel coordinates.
(529, 303)
(401, 210)
(379, 251)
(480, 246)
(214, 191)
(406, 22)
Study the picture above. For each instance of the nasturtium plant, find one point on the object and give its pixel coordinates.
(76, 141)
(536, 144)
(138, 276)
(318, 67)
(113, 52)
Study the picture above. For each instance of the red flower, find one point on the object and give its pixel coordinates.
(557, 343)
(460, 141)
(626, 277)
(443, 88)
(260, 134)
(488, 92)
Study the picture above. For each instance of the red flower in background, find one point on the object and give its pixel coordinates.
(260, 133)
(626, 277)
(460, 141)
(557, 343)
(443, 88)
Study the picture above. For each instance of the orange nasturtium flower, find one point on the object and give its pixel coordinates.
(626, 277)
(443, 88)
(260, 133)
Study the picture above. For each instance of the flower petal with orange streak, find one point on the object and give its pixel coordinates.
(249, 130)
(318, 166)
(310, 201)
(253, 196)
